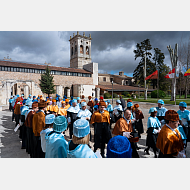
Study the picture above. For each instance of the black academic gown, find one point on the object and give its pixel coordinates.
(73, 117)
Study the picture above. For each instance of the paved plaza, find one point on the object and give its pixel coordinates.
(10, 144)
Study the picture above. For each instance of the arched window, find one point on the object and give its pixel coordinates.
(72, 51)
(75, 48)
(81, 49)
(87, 50)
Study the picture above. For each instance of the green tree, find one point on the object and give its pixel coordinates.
(142, 49)
(46, 82)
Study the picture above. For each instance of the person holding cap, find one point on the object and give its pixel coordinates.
(38, 122)
(161, 112)
(119, 147)
(153, 126)
(49, 119)
(72, 116)
(101, 121)
(78, 146)
(169, 140)
(124, 127)
(117, 111)
(56, 145)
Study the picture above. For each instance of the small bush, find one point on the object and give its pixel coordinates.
(125, 93)
(161, 94)
(107, 95)
(142, 94)
(115, 95)
(128, 95)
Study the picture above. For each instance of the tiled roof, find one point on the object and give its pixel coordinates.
(36, 66)
(117, 87)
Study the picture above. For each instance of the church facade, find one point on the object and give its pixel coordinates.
(79, 79)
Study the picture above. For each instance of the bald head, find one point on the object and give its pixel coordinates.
(127, 114)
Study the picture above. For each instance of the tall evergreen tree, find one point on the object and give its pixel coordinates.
(142, 49)
(46, 82)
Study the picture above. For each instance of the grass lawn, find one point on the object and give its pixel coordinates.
(166, 101)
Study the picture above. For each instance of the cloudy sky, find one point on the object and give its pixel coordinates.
(113, 50)
(44, 36)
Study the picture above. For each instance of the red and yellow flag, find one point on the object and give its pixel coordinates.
(187, 72)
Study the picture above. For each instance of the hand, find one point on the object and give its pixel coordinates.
(88, 118)
(69, 123)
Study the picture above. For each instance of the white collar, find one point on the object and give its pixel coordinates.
(126, 120)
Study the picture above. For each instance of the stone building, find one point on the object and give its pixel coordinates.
(79, 79)
(121, 83)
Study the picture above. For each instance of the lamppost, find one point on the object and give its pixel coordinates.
(139, 90)
(145, 89)
(112, 91)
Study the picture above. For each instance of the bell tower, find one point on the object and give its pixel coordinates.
(80, 50)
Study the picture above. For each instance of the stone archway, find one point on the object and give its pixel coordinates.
(13, 87)
(21, 88)
(67, 92)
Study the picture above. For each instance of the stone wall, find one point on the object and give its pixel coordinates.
(66, 81)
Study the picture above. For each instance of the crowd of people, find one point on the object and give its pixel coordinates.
(42, 124)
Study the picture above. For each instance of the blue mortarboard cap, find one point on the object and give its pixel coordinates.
(119, 147)
(65, 96)
(129, 104)
(78, 98)
(183, 104)
(96, 99)
(83, 104)
(81, 128)
(34, 96)
(74, 101)
(30, 95)
(49, 119)
(17, 95)
(161, 101)
(108, 101)
(118, 101)
(153, 109)
(60, 124)
(63, 99)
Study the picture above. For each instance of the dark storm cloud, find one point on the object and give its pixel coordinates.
(113, 50)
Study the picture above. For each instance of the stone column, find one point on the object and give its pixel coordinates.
(98, 93)
(59, 90)
(26, 92)
(68, 92)
(8, 89)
